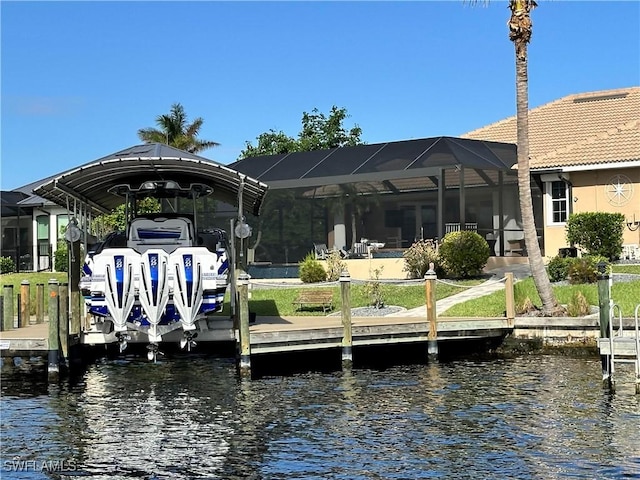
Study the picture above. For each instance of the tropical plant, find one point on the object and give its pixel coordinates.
(520, 31)
(174, 130)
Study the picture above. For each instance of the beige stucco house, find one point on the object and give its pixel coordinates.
(585, 155)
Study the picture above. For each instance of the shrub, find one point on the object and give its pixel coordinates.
(311, 270)
(463, 254)
(578, 306)
(373, 289)
(7, 265)
(585, 269)
(335, 266)
(582, 271)
(558, 268)
(61, 257)
(418, 256)
(597, 233)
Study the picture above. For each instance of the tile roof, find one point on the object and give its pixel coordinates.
(584, 129)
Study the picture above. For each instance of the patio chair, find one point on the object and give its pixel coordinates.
(320, 251)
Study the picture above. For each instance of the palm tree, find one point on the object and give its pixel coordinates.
(520, 30)
(175, 131)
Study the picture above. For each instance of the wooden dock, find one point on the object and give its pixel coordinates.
(289, 334)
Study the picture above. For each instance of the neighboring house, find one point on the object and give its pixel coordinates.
(585, 154)
(31, 228)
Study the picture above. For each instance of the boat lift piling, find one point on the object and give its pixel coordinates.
(7, 308)
(604, 304)
(347, 337)
(244, 340)
(25, 293)
(430, 291)
(53, 366)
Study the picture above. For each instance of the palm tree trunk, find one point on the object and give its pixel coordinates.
(538, 270)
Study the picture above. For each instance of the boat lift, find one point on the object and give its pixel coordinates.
(92, 189)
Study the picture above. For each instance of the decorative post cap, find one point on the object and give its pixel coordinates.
(431, 273)
(344, 276)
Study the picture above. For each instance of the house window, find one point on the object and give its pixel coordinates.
(559, 207)
(62, 222)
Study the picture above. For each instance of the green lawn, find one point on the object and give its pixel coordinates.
(279, 301)
(34, 279)
(625, 294)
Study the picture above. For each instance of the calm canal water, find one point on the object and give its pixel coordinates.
(532, 417)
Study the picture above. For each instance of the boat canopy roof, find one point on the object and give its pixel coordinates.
(95, 183)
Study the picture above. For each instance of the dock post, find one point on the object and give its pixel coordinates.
(63, 315)
(430, 291)
(604, 304)
(509, 299)
(53, 368)
(25, 314)
(243, 331)
(347, 337)
(75, 266)
(40, 303)
(7, 311)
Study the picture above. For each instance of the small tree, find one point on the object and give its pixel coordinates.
(597, 233)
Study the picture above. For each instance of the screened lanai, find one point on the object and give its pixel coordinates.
(392, 193)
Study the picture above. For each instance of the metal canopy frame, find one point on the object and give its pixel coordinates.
(89, 184)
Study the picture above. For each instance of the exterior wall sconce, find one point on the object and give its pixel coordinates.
(634, 225)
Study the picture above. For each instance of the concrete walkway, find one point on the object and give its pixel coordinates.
(520, 271)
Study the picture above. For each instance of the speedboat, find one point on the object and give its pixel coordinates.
(160, 274)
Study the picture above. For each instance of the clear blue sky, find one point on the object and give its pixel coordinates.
(80, 78)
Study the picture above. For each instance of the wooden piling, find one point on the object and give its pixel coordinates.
(63, 315)
(7, 311)
(347, 336)
(75, 267)
(25, 313)
(53, 368)
(40, 303)
(243, 330)
(509, 298)
(430, 291)
(604, 304)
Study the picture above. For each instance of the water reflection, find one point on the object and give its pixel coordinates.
(525, 418)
